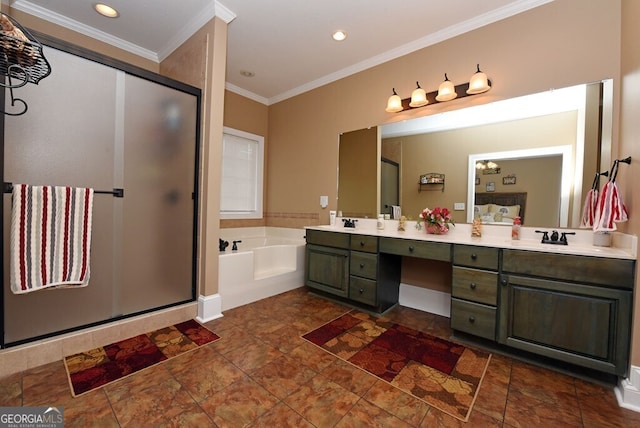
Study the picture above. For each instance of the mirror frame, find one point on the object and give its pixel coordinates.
(537, 104)
(565, 184)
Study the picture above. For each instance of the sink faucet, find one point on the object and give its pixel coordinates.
(223, 244)
(349, 223)
(235, 246)
(556, 238)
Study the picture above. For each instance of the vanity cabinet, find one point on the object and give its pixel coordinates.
(327, 262)
(474, 290)
(363, 270)
(350, 267)
(411, 248)
(572, 308)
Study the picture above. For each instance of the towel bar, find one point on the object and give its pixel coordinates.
(116, 192)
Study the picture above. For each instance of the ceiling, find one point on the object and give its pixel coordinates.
(287, 44)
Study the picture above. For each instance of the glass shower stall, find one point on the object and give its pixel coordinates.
(98, 123)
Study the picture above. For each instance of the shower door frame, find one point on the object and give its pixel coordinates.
(135, 71)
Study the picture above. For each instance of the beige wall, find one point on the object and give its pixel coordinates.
(540, 49)
(629, 176)
(206, 53)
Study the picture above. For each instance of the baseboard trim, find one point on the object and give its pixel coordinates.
(424, 299)
(628, 390)
(209, 308)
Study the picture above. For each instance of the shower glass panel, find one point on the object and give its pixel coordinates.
(94, 125)
(159, 135)
(67, 145)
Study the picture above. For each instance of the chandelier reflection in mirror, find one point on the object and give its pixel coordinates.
(487, 164)
(447, 91)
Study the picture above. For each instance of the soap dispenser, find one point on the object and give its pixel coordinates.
(515, 228)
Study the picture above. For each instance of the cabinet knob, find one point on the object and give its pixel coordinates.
(472, 319)
(473, 285)
(504, 282)
(411, 248)
(474, 256)
(362, 243)
(361, 290)
(361, 265)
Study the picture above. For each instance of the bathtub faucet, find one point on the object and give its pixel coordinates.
(235, 247)
(223, 244)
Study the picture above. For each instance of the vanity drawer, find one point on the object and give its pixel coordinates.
(365, 243)
(473, 318)
(328, 239)
(475, 285)
(479, 257)
(421, 249)
(614, 273)
(364, 264)
(363, 290)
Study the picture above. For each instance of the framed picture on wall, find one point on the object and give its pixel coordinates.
(509, 179)
(491, 186)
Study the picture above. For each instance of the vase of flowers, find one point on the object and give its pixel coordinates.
(437, 220)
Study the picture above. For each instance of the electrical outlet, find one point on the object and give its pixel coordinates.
(458, 206)
(324, 201)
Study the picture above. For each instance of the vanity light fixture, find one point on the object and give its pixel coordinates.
(394, 103)
(478, 83)
(418, 97)
(106, 10)
(446, 90)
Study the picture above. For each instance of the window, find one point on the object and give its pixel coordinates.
(242, 165)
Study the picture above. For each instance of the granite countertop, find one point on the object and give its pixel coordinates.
(623, 246)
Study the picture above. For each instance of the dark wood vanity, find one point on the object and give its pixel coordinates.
(572, 308)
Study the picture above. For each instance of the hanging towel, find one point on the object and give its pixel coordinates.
(590, 203)
(50, 237)
(610, 208)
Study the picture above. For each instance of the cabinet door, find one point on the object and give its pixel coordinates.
(327, 269)
(579, 324)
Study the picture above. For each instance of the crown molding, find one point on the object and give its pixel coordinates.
(207, 14)
(450, 32)
(63, 21)
(212, 10)
(247, 94)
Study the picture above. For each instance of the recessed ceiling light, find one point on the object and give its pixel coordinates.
(106, 10)
(339, 36)
(247, 73)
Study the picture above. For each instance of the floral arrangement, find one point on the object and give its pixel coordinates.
(437, 219)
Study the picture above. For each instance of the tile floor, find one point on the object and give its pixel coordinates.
(262, 374)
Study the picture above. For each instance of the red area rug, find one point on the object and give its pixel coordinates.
(101, 366)
(443, 374)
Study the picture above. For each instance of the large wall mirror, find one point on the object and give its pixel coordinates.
(534, 156)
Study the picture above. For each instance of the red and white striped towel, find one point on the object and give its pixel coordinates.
(50, 237)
